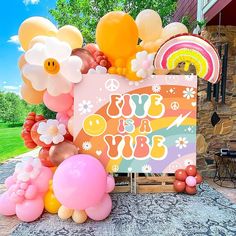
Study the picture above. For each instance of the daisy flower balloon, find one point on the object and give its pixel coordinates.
(50, 66)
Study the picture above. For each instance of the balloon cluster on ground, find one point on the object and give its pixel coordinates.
(61, 180)
(187, 180)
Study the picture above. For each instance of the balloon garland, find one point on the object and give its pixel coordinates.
(61, 180)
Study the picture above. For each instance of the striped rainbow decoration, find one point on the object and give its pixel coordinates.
(191, 49)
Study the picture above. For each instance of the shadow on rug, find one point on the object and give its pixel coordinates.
(207, 213)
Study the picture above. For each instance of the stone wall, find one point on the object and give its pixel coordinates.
(205, 162)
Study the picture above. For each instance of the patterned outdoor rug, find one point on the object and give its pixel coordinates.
(207, 213)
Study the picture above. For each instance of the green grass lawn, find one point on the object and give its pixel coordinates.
(11, 143)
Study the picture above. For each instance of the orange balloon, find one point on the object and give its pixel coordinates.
(117, 35)
(70, 125)
(30, 95)
(21, 61)
(35, 26)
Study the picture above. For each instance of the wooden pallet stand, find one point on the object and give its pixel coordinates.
(123, 184)
(155, 184)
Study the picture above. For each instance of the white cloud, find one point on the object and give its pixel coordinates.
(33, 2)
(15, 39)
(10, 87)
(4, 82)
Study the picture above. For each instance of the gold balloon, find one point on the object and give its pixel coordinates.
(58, 153)
(117, 35)
(71, 35)
(35, 26)
(149, 25)
(51, 204)
(65, 213)
(79, 217)
(30, 95)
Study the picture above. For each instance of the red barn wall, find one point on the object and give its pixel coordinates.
(186, 8)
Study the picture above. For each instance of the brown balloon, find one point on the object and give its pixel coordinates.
(180, 175)
(179, 186)
(191, 190)
(87, 59)
(198, 178)
(58, 153)
(191, 170)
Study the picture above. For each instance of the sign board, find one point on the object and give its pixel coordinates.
(141, 127)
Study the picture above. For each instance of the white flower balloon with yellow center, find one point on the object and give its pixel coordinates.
(50, 66)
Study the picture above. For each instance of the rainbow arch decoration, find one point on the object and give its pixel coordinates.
(149, 127)
(191, 49)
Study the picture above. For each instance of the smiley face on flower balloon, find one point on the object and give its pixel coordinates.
(50, 66)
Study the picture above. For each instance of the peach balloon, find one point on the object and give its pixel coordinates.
(149, 25)
(152, 46)
(26, 81)
(70, 125)
(71, 35)
(21, 61)
(117, 35)
(173, 29)
(30, 95)
(35, 26)
(79, 217)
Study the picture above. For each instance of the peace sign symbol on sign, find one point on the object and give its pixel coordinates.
(112, 85)
(174, 106)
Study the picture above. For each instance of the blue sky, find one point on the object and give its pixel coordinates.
(12, 14)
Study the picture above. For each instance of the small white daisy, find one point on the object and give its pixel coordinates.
(146, 169)
(86, 146)
(85, 107)
(188, 93)
(156, 88)
(181, 142)
(115, 168)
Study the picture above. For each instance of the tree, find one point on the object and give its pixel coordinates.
(85, 14)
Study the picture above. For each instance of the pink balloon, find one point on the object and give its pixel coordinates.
(191, 181)
(80, 182)
(7, 207)
(42, 181)
(110, 184)
(10, 181)
(30, 210)
(31, 192)
(62, 118)
(59, 103)
(102, 210)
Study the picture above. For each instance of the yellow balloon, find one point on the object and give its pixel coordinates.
(79, 217)
(71, 35)
(173, 29)
(51, 204)
(34, 26)
(149, 25)
(117, 35)
(30, 95)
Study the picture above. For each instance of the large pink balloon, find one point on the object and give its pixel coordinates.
(80, 182)
(59, 103)
(7, 207)
(102, 210)
(30, 210)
